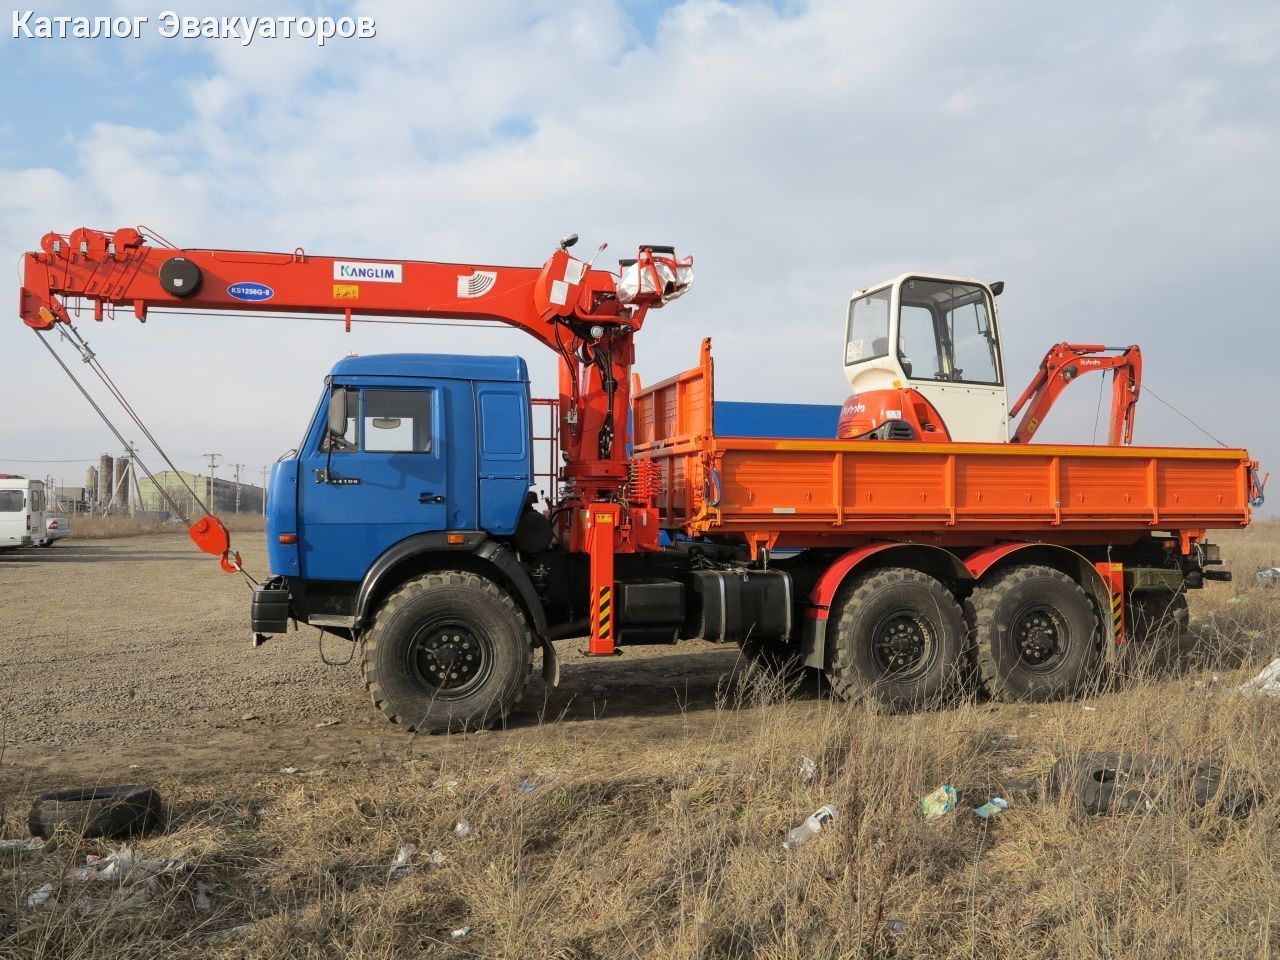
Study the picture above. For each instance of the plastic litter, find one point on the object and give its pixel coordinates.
(460, 932)
(441, 782)
(328, 723)
(939, 803)
(896, 927)
(203, 890)
(400, 865)
(25, 845)
(288, 769)
(40, 897)
(809, 826)
(436, 860)
(1266, 683)
(249, 716)
(808, 768)
(1269, 576)
(526, 786)
(992, 807)
(1088, 709)
(462, 830)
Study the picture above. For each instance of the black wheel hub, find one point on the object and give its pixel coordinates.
(449, 659)
(1040, 637)
(903, 645)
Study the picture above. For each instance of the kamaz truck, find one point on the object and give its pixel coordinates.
(904, 563)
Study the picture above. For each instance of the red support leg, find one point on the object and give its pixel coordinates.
(602, 523)
(1113, 574)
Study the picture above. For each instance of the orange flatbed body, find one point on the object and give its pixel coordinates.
(780, 492)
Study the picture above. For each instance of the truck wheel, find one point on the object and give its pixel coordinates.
(899, 635)
(1035, 635)
(447, 651)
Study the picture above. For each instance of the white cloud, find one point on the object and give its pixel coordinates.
(1115, 167)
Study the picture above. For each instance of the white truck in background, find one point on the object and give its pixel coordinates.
(22, 511)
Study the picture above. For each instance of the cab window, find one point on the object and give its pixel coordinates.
(868, 330)
(350, 439)
(945, 333)
(397, 421)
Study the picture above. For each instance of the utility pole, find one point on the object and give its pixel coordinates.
(210, 505)
(237, 467)
(265, 472)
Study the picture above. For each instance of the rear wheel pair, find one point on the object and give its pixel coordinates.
(900, 635)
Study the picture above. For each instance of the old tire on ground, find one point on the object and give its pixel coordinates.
(897, 634)
(447, 651)
(1120, 783)
(105, 811)
(1035, 635)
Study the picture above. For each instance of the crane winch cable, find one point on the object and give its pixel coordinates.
(231, 559)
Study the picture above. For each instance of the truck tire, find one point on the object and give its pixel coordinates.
(1035, 635)
(449, 650)
(104, 811)
(899, 636)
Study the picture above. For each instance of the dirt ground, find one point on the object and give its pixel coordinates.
(637, 810)
(129, 659)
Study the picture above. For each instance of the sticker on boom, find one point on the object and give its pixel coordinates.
(351, 271)
(346, 291)
(250, 292)
(476, 284)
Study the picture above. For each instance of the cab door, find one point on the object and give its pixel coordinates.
(400, 469)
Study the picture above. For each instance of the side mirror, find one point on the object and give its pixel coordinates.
(338, 412)
(997, 288)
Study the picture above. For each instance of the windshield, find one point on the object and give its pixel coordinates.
(945, 333)
(868, 328)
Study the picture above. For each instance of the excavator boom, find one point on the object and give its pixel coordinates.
(1063, 364)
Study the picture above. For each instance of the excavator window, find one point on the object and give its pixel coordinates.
(868, 328)
(918, 346)
(945, 333)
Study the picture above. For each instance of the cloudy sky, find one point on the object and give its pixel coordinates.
(1115, 164)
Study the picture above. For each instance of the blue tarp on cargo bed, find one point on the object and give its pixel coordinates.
(798, 421)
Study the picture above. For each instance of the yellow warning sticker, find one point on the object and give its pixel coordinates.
(346, 291)
(604, 518)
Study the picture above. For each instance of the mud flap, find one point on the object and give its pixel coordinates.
(550, 663)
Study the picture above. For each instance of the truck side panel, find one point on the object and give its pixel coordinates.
(505, 454)
(806, 492)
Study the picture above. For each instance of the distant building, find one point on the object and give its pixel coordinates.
(70, 499)
(176, 484)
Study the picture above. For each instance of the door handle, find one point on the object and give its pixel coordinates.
(427, 497)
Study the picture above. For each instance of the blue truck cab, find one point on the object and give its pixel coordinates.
(433, 444)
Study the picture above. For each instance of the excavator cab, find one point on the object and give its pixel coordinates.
(922, 354)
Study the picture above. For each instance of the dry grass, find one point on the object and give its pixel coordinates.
(674, 850)
(103, 528)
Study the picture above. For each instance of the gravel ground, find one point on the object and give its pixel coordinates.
(133, 655)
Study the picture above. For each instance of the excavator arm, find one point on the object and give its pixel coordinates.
(587, 316)
(1063, 364)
